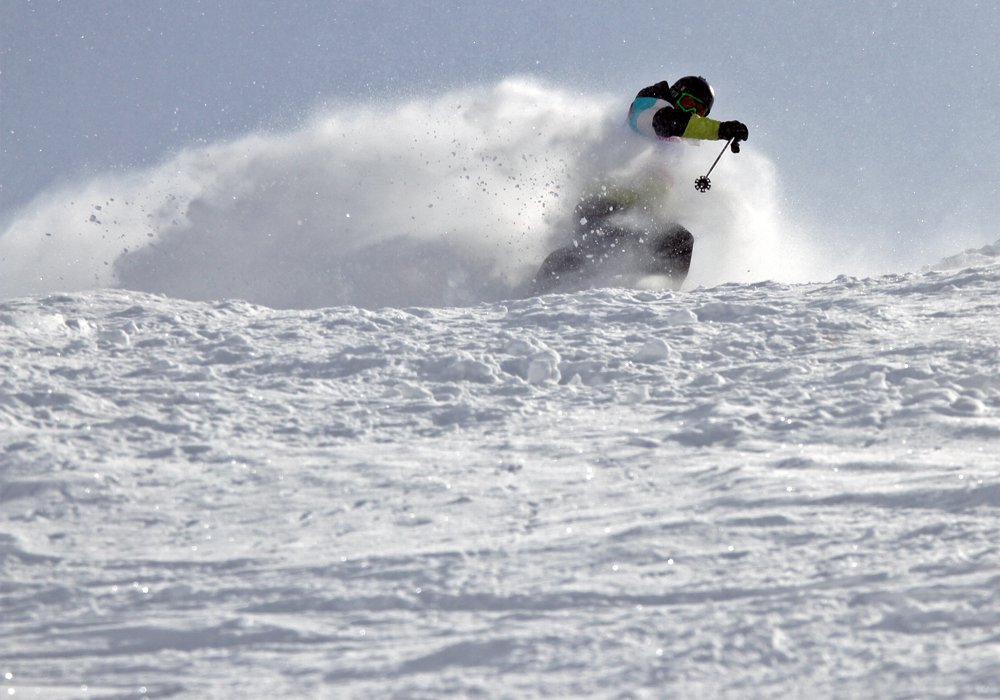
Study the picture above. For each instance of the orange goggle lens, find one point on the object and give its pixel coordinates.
(690, 103)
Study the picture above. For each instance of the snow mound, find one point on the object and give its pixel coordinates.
(973, 257)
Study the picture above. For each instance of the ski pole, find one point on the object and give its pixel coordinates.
(703, 184)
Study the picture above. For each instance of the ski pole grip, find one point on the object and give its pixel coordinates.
(735, 146)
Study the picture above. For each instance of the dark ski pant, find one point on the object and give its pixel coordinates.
(667, 252)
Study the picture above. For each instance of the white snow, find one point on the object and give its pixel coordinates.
(746, 491)
(381, 474)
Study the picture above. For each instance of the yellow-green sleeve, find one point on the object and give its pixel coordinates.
(701, 128)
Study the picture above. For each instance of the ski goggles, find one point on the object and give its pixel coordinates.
(689, 103)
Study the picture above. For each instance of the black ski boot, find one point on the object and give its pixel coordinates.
(558, 266)
(671, 253)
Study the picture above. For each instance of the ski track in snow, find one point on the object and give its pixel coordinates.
(751, 490)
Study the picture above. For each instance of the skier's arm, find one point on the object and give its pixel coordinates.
(669, 122)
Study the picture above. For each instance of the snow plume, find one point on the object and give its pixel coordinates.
(441, 201)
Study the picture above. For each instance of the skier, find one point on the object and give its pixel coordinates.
(660, 111)
(663, 111)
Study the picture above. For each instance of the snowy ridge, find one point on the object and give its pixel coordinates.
(972, 257)
(753, 490)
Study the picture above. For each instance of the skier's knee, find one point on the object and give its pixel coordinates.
(676, 242)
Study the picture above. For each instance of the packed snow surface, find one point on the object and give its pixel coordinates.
(277, 420)
(753, 490)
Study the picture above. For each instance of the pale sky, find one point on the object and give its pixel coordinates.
(880, 117)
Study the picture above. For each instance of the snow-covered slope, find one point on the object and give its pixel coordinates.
(752, 490)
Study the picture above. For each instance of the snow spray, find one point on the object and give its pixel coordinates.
(451, 199)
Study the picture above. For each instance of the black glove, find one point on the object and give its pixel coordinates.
(733, 130)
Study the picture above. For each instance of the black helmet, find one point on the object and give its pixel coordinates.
(692, 93)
